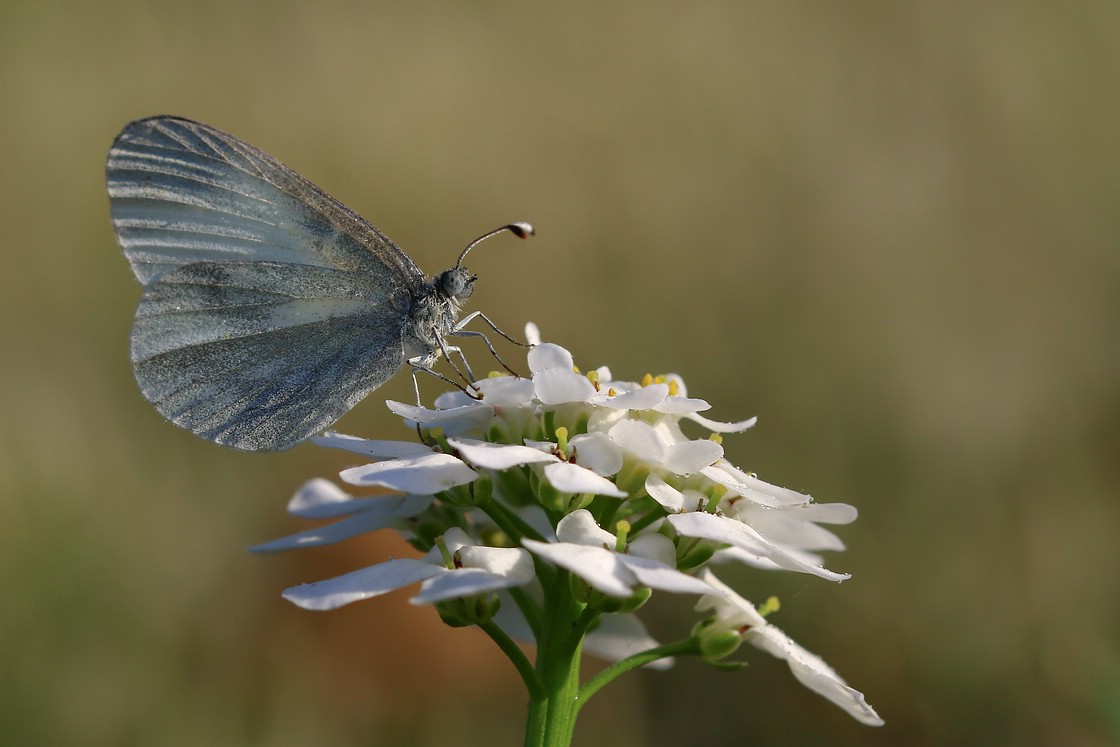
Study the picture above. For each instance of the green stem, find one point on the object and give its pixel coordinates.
(596, 683)
(648, 518)
(552, 717)
(524, 667)
(513, 525)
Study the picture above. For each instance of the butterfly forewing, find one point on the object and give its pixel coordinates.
(183, 192)
(269, 308)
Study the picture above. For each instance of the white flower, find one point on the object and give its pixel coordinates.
(735, 614)
(322, 499)
(477, 570)
(586, 436)
(588, 551)
(526, 473)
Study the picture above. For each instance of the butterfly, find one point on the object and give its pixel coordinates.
(269, 309)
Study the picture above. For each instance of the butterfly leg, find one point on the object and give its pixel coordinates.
(471, 316)
(424, 363)
(458, 331)
(447, 350)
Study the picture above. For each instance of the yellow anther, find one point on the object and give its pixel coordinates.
(716, 438)
(647, 380)
(673, 389)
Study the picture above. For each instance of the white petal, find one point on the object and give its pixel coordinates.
(362, 584)
(549, 355)
(682, 406)
(598, 567)
(737, 534)
(322, 499)
(788, 528)
(450, 400)
(423, 476)
(506, 391)
(454, 420)
(784, 496)
(827, 513)
(814, 673)
(757, 560)
(597, 452)
(665, 494)
(556, 386)
(512, 562)
(719, 474)
(732, 610)
(639, 439)
(618, 636)
(603, 419)
(548, 447)
(371, 448)
(572, 478)
(654, 546)
(367, 521)
(668, 429)
(691, 456)
(655, 575)
(498, 456)
(580, 528)
(643, 398)
(716, 426)
(454, 539)
(461, 582)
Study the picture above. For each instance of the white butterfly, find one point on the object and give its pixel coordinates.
(269, 308)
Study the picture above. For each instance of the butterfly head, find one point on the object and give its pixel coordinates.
(456, 283)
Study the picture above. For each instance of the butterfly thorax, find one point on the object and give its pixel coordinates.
(435, 311)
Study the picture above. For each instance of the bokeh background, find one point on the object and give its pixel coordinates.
(890, 230)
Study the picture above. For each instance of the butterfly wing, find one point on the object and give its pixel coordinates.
(269, 308)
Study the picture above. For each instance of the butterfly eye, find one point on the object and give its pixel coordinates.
(456, 283)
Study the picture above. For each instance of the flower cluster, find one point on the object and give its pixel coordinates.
(578, 482)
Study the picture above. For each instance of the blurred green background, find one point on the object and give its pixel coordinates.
(890, 230)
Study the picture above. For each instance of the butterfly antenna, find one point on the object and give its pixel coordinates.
(520, 229)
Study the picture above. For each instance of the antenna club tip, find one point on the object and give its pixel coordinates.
(522, 229)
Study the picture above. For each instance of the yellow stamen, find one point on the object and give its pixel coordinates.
(770, 605)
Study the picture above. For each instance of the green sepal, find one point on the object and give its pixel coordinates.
(467, 611)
